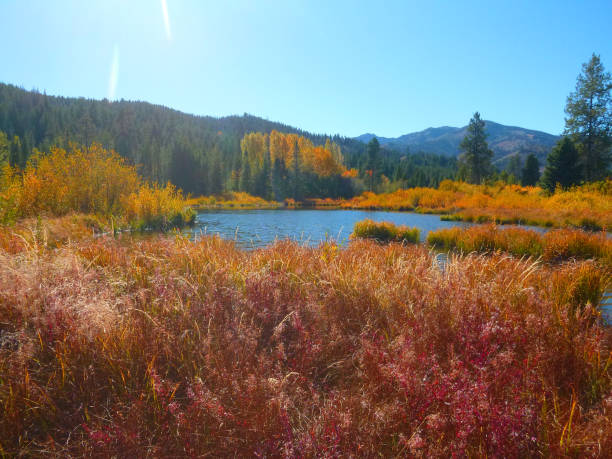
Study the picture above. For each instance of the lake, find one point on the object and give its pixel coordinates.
(260, 227)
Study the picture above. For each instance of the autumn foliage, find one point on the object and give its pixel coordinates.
(169, 348)
(588, 206)
(385, 232)
(232, 200)
(89, 181)
(322, 160)
(554, 245)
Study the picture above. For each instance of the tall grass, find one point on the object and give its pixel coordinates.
(165, 347)
(232, 200)
(588, 206)
(554, 245)
(385, 232)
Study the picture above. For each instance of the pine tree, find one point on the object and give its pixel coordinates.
(562, 166)
(4, 150)
(296, 174)
(245, 176)
(476, 156)
(514, 167)
(373, 151)
(531, 172)
(215, 177)
(589, 120)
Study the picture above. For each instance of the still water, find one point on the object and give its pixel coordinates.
(257, 228)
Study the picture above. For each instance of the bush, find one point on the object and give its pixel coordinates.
(158, 208)
(89, 181)
(385, 232)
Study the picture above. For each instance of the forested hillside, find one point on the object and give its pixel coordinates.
(167, 144)
(200, 154)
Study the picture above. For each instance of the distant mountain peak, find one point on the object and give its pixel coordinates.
(504, 140)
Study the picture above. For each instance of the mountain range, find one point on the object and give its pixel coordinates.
(505, 141)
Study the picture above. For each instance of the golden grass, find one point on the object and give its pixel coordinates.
(588, 206)
(385, 232)
(232, 200)
(554, 245)
(166, 347)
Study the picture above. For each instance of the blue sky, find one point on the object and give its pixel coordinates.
(347, 67)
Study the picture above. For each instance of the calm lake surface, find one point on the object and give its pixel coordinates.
(257, 228)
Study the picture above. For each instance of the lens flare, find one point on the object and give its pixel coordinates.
(166, 19)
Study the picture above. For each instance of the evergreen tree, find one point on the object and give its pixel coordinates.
(373, 156)
(215, 177)
(476, 156)
(531, 172)
(589, 120)
(17, 155)
(245, 176)
(514, 168)
(296, 174)
(562, 166)
(5, 150)
(279, 177)
(235, 177)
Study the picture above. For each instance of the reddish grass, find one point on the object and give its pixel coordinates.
(166, 347)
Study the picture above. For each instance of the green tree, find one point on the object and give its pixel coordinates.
(245, 176)
(589, 118)
(296, 173)
(530, 174)
(4, 149)
(562, 166)
(17, 156)
(215, 176)
(514, 167)
(373, 152)
(476, 157)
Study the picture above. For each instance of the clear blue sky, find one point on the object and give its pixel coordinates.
(330, 66)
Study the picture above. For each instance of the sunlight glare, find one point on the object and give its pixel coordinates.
(166, 19)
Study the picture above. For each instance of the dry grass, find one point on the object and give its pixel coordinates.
(232, 200)
(589, 206)
(166, 347)
(552, 246)
(385, 232)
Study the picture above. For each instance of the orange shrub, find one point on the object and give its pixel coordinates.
(588, 206)
(90, 181)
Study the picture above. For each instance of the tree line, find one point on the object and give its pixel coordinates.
(208, 156)
(583, 154)
(201, 155)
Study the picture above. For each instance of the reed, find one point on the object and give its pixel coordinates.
(588, 206)
(167, 347)
(385, 232)
(552, 246)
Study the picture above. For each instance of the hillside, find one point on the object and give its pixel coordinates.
(503, 140)
(166, 144)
